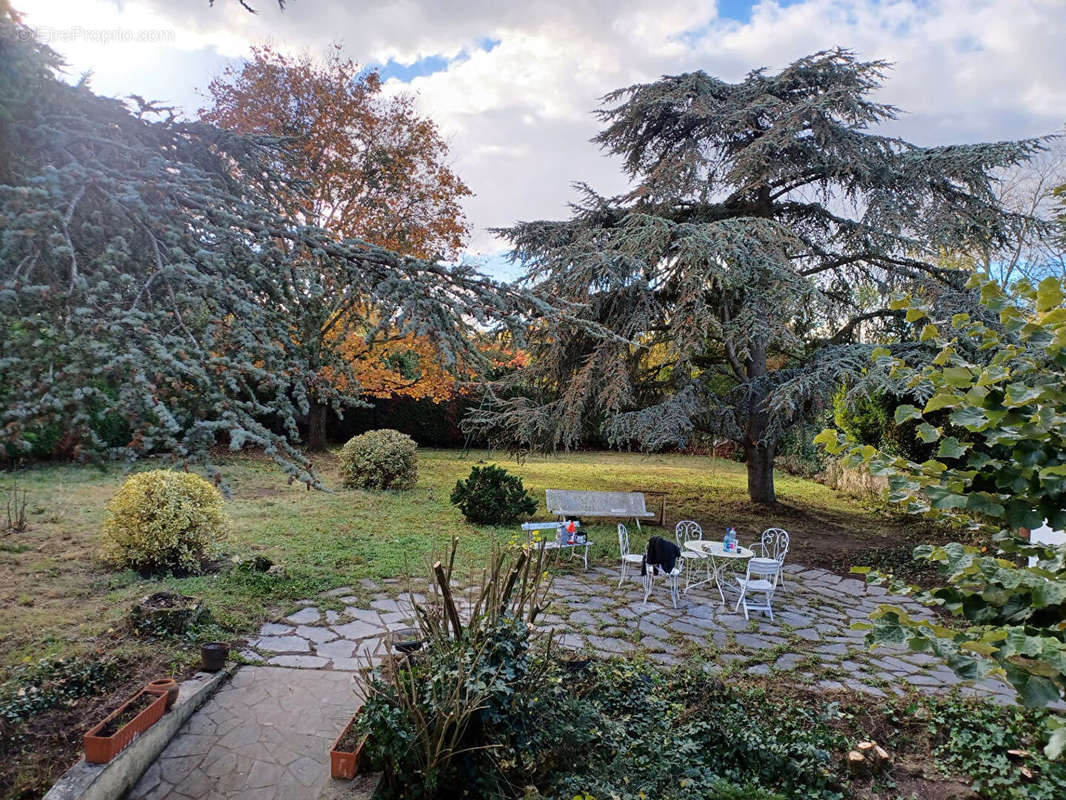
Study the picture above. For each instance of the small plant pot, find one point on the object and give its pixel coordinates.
(166, 686)
(407, 641)
(346, 752)
(213, 656)
(100, 749)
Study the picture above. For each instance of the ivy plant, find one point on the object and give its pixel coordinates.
(999, 467)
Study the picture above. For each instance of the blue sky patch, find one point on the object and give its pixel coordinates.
(428, 65)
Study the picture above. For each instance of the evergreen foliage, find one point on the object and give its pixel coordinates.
(743, 274)
(148, 274)
(492, 496)
(384, 459)
(163, 521)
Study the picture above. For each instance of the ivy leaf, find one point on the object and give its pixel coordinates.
(951, 447)
(1018, 394)
(968, 417)
(941, 400)
(1056, 743)
(1048, 294)
(1038, 691)
(960, 377)
(927, 433)
(928, 332)
(906, 412)
(830, 440)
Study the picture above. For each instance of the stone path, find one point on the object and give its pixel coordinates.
(265, 735)
(809, 641)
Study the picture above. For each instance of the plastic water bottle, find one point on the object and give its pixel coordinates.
(731, 540)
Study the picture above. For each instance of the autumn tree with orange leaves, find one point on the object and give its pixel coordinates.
(369, 167)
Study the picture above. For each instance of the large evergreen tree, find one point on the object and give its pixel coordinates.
(743, 271)
(148, 275)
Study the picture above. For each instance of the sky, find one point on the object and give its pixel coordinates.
(512, 85)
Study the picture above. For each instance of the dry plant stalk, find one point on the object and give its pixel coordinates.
(16, 501)
(443, 707)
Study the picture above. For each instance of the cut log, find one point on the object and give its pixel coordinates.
(857, 761)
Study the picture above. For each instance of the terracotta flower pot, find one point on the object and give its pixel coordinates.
(100, 749)
(167, 686)
(344, 756)
(213, 656)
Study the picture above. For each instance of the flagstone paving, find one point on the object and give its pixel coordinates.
(809, 641)
(265, 735)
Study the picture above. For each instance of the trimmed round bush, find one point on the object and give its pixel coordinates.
(384, 459)
(492, 496)
(164, 521)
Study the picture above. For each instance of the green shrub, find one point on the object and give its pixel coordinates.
(384, 459)
(492, 496)
(163, 520)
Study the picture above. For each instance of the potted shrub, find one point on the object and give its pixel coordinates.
(111, 735)
(347, 750)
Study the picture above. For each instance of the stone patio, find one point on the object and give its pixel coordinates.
(809, 641)
(266, 735)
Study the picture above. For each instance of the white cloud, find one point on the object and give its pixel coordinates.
(519, 117)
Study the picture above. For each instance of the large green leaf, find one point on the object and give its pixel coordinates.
(950, 447)
(906, 412)
(1049, 294)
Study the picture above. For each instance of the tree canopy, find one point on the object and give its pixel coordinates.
(148, 274)
(743, 274)
(363, 166)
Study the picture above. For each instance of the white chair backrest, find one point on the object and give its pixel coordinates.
(763, 567)
(774, 544)
(623, 540)
(686, 531)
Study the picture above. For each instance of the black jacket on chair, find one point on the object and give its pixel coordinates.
(662, 554)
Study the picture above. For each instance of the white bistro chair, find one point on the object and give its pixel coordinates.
(688, 531)
(760, 580)
(670, 577)
(628, 559)
(774, 544)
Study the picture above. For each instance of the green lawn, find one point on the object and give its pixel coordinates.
(57, 597)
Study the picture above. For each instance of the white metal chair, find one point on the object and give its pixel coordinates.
(760, 578)
(774, 544)
(684, 532)
(628, 559)
(671, 578)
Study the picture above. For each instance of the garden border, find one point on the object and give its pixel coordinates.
(112, 780)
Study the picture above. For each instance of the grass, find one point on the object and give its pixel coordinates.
(58, 598)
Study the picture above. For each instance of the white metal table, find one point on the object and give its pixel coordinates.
(558, 539)
(719, 561)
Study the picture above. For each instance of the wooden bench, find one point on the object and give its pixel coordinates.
(564, 503)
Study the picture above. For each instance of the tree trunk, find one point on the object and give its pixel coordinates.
(317, 416)
(760, 461)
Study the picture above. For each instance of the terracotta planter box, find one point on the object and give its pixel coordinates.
(101, 749)
(344, 763)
